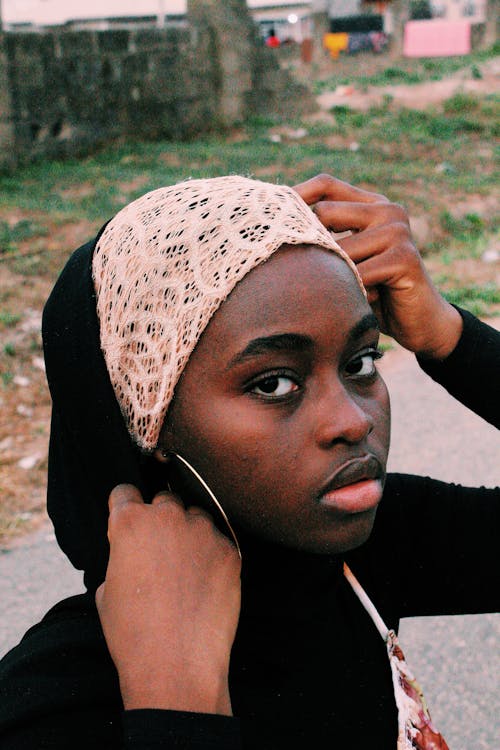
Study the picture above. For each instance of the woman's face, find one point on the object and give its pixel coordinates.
(281, 409)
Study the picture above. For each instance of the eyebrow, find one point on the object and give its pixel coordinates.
(296, 342)
(367, 323)
(279, 342)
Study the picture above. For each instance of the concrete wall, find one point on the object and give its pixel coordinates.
(64, 92)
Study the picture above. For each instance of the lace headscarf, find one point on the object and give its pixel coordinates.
(165, 264)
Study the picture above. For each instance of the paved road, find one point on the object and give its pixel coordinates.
(455, 658)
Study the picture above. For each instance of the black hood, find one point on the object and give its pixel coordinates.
(90, 449)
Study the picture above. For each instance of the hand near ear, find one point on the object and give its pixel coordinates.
(169, 606)
(402, 295)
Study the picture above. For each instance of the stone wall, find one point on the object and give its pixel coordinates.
(71, 90)
(65, 92)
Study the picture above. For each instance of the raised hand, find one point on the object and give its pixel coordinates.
(170, 604)
(402, 295)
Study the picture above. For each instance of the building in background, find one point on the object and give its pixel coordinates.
(291, 21)
(455, 10)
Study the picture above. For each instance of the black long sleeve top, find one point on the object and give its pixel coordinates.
(308, 667)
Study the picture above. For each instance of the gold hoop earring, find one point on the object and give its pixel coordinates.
(201, 482)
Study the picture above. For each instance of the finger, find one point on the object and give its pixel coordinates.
(373, 297)
(377, 240)
(123, 494)
(195, 510)
(340, 216)
(382, 271)
(325, 187)
(164, 497)
(122, 500)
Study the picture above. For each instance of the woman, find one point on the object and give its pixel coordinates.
(218, 320)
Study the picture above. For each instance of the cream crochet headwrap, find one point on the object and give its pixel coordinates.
(163, 266)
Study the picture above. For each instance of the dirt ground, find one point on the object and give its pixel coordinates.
(25, 402)
(417, 96)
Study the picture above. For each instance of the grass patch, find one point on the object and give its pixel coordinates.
(8, 319)
(474, 297)
(347, 118)
(418, 142)
(463, 227)
(7, 378)
(461, 102)
(422, 126)
(12, 235)
(406, 71)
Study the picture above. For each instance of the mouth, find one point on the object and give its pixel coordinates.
(356, 487)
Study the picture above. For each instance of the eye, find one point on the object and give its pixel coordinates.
(274, 386)
(364, 364)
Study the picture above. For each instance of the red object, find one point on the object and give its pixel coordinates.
(273, 41)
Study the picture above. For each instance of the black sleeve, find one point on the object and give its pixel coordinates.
(59, 689)
(150, 730)
(471, 373)
(433, 550)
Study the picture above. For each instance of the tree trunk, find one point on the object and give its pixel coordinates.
(320, 26)
(491, 24)
(400, 10)
(248, 77)
(233, 33)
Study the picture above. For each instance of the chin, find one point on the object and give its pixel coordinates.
(354, 532)
(345, 534)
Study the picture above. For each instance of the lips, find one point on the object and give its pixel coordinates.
(356, 487)
(355, 470)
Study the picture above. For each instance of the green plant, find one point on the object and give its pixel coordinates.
(474, 297)
(6, 378)
(11, 235)
(345, 116)
(462, 227)
(461, 102)
(30, 265)
(8, 319)
(409, 71)
(9, 349)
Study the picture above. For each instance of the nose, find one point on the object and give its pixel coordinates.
(342, 415)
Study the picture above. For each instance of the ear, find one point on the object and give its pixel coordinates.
(161, 455)
(165, 445)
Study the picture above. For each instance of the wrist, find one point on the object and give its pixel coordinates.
(176, 692)
(447, 327)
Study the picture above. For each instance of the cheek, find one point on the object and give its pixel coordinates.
(380, 410)
(244, 460)
(233, 440)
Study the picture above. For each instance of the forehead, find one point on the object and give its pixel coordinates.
(301, 289)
